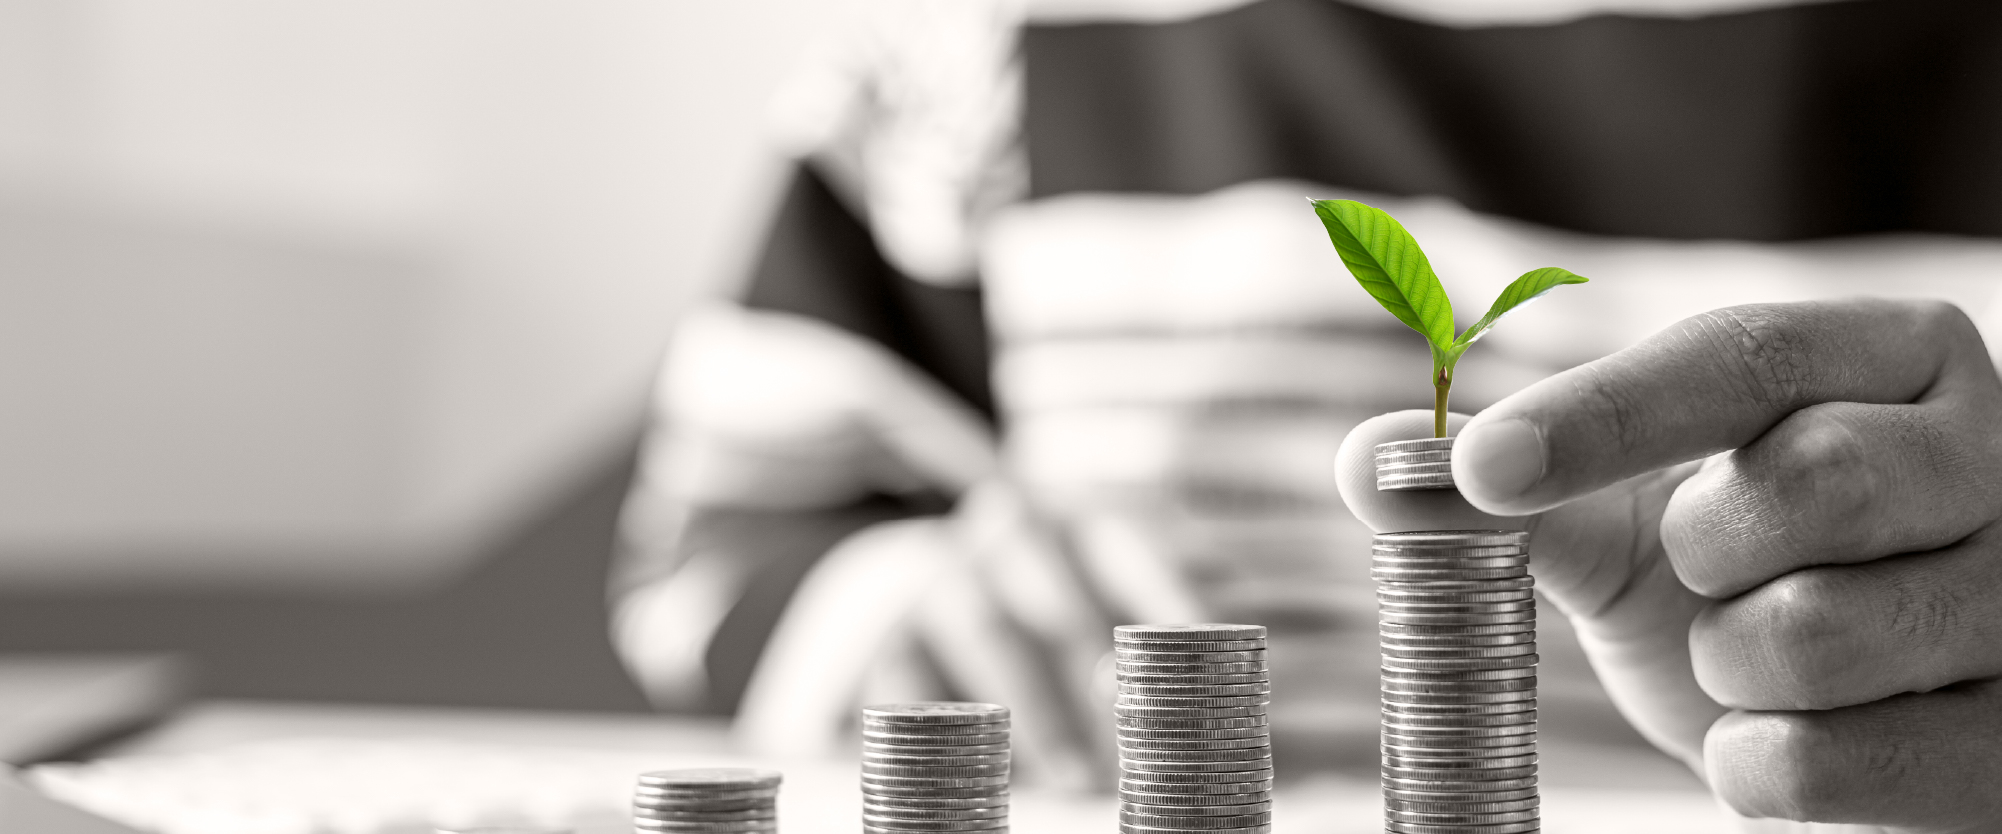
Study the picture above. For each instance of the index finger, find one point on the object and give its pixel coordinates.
(1704, 385)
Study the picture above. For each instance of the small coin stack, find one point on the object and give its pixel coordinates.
(1195, 752)
(709, 800)
(935, 766)
(1415, 464)
(1457, 619)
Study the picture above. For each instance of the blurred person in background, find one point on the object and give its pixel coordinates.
(1044, 339)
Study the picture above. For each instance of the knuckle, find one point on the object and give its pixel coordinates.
(1765, 350)
(1805, 780)
(1802, 643)
(1822, 472)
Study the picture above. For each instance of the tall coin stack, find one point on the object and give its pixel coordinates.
(1457, 618)
(710, 800)
(1195, 751)
(935, 766)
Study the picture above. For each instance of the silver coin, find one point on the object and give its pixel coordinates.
(1382, 554)
(1190, 645)
(879, 760)
(1382, 574)
(879, 809)
(712, 778)
(1229, 777)
(1247, 722)
(935, 712)
(1136, 828)
(1421, 828)
(1238, 791)
(892, 780)
(1194, 744)
(1410, 756)
(1195, 823)
(1433, 675)
(1153, 766)
(1527, 728)
(1125, 699)
(1252, 668)
(883, 748)
(1499, 788)
(1394, 456)
(1140, 656)
(1512, 586)
(1471, 741)
(1191, 800)
(1384, 630)
(1235, 754)
(878, 790)
(1430, 774)
(1144, 711)
(1189, 632)
(940, 740)
(1398, 705)
(1409, 618)
(1193, 679)
(1257, 807)
(1192, 735)
(939, 803)
(1475, 805)
(1405, 652)
(900, 824)
(1462, 818)
(1432, 723)
(931, 771)
(1454, 538)
(1213, 690)
(994, 728)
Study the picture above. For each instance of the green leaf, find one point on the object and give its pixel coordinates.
(1523, 290)
(1390, 266)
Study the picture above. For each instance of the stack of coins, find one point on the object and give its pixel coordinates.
(1458, 629)
(935, 766)
(1415, 464)
(1195, 753)
(734, 799)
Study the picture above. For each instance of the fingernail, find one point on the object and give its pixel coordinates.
(1504, 458)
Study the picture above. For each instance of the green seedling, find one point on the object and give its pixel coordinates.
(1388, 263)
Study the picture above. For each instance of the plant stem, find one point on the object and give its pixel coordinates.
(1441, 386)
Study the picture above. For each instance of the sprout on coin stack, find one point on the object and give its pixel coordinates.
(935, 766)
(709, 800)
(1194, 748)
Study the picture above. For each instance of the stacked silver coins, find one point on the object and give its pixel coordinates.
(935, 766)
(711, 800)
(1415, 464)
(1457, 621)
(1195, 751)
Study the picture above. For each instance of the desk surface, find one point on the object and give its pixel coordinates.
(593, 756)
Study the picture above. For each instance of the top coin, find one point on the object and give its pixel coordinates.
(1189, 632)
(718, 778)
(936, 712)
(1454, 538)
(1425, 444)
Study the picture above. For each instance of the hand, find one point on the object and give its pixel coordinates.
(1776, 530)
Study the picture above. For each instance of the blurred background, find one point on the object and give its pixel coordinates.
(326, 327)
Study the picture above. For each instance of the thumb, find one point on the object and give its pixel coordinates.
(1598, 558)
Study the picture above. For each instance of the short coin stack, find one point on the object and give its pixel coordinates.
(1458, 629)
(935, 766)
(1415, 464)
(710, 800)
(1194, 750)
